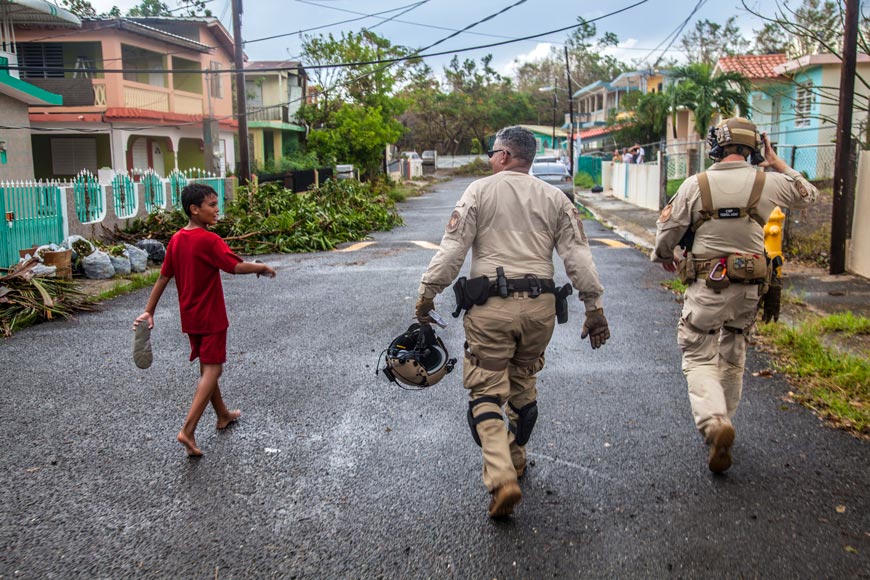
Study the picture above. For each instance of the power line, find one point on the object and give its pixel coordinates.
(413, 56)
(385, 62)
(397, 15)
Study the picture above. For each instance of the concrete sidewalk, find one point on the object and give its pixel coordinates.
(821, 292)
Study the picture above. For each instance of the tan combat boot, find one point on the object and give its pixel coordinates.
(504, 499)
(720, 438)
(518, 458)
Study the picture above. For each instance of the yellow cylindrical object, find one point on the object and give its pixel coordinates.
(773, 230)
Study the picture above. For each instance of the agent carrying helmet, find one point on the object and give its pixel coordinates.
(416, 358)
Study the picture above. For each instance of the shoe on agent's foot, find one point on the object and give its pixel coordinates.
(720, 438)
(504, 499)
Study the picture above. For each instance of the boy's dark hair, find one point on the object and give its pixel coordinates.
(195, 194)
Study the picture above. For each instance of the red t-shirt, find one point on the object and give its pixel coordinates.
(195, 257)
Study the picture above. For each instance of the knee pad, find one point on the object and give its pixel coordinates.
(526, 419)
(474, 421)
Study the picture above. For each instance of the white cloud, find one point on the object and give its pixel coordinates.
(509, 68)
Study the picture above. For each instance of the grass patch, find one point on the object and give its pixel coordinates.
(583, 180)
(810, 246)
(675, 285)
(673, 186)
(401, 192)
(126, 285)
(835, 384)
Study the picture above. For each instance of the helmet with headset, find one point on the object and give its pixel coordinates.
(736, 135)
(417, 358)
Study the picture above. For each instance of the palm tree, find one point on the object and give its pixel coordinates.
(695, 88)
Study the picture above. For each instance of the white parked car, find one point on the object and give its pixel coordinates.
(555, 174)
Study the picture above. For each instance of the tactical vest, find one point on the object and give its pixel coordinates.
(708, 211)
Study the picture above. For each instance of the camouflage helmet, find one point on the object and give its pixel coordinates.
(417, 358)
(736, 131)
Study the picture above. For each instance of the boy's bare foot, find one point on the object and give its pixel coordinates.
(231, 417)
(190, 444)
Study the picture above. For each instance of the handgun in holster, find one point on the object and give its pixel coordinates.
(562, 303)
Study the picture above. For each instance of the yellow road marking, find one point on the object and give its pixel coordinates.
(610, 242)
(427, 245)
(357, 246)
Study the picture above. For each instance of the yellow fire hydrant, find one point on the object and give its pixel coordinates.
(773, 231)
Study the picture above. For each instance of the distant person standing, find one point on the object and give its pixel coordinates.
(194, 257)
(639, 155)
(616, 156)
(627, 156)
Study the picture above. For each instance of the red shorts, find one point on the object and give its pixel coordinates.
(210, 349)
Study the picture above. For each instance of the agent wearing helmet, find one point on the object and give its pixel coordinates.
(718, 217)
(512, 222)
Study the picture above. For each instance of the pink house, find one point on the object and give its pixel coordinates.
(129, 102)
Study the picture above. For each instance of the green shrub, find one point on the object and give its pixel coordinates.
(583, 180)
(270, 218)
(476, 168)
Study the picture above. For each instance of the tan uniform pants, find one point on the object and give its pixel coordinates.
(506, 339)
(713, 332)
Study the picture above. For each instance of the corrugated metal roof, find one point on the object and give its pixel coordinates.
(36, 13)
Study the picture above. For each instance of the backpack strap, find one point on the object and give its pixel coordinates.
(755, 197)
(706, 201)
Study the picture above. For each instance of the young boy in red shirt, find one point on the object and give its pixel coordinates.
(195, 257)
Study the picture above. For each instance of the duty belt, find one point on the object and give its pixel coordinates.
(532, 284)
(703, 268)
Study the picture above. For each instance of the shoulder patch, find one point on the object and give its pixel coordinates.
(453, 224)
(666, 213)
(802, 189)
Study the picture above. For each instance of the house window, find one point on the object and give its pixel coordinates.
(41, 54)
(216, 79)
(803, 105)
(70, 155)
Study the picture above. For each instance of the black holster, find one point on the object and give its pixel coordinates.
(562, 303)
(469, 293)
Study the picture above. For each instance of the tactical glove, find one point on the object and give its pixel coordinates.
(595, 327)
(772, 301)
(424, 305)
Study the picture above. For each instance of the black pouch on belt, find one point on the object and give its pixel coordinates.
(562, 303)
(470, 293)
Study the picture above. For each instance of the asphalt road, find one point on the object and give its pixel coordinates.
(332, 473)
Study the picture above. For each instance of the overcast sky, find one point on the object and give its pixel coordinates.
(640, 29)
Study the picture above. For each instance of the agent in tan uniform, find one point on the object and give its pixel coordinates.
(512, 222)
(725, 268)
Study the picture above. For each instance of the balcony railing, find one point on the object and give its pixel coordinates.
(276, 113)
(138, 97)
(187, 104)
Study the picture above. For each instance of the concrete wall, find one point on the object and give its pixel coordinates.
(858, 248)
(109, 220)
(636, 184)
(19, 155)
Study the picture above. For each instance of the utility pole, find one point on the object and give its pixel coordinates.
(844, 169)
(554, 116)
(570, 115)
(241, 95)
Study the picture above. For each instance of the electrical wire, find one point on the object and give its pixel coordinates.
(413, 56)
(385, 62)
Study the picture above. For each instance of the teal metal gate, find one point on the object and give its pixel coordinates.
(155, 193)
(177, 181)
(32, 217)
(590, 165)
(124, 194)
(89, 197)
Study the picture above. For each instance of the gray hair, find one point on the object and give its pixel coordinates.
(519, 141)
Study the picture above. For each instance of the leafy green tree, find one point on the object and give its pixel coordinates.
(81, 8)
(649, 117)
(706, 95)
(354, 116)
(771, 39)
(709, 41)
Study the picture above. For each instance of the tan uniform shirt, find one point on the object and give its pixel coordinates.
(730, 184)
(513, 220)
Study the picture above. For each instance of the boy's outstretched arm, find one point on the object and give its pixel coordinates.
(258, 268)
(156, 293)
